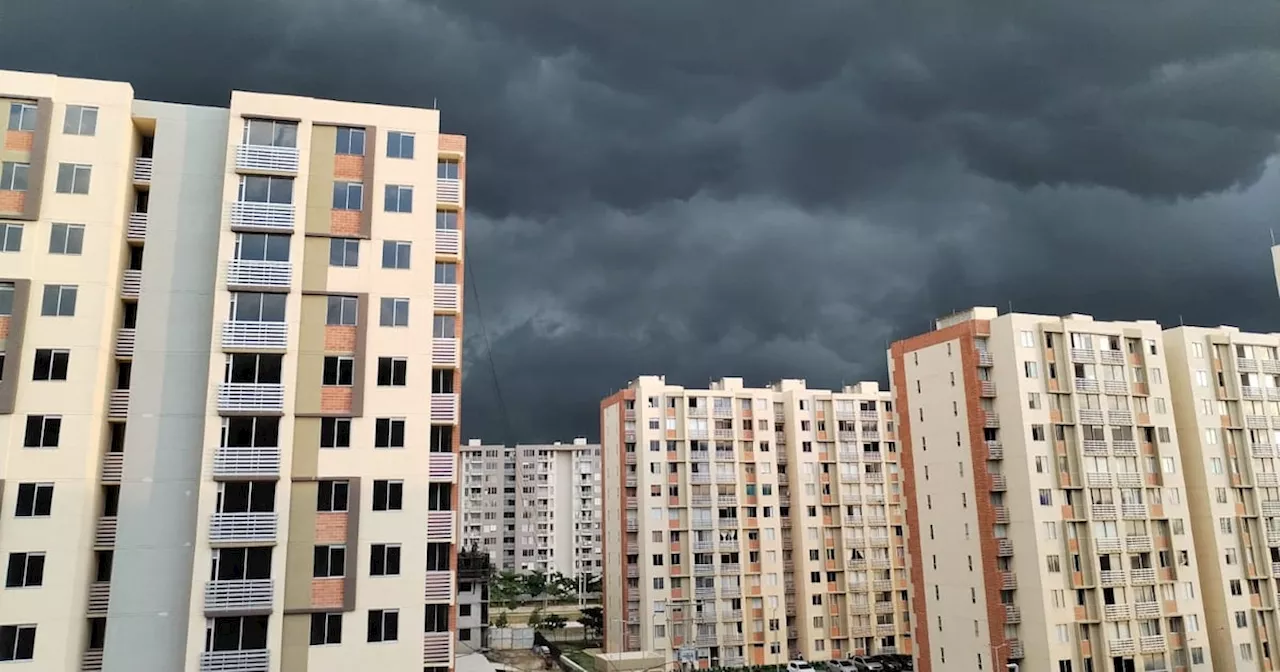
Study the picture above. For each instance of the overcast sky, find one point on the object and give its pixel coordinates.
(701, 188)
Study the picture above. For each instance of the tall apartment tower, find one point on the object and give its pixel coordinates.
(744, 526)
(240, 455)
(1049, 496)
(534, 507)
(1226, 401)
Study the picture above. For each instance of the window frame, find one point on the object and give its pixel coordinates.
(332, 494)
(392, 493)
(342, 195)
(393, 312)
(69, 233)
(394, 198)
(338, 371)
(344, 252)
(401, 253)
(81, 112)
(385, 620)
(448, 169)
(64, 307)
(15, 176)
(21, 651)
(389, 433)
(343, 302)
(325, 557)
(345, 146)
(11, 236)
(339, 428)
(73, 172)
(329, 635)
(50, 425)
(52, 365)
(35, 490)
(276, 135)
(396, 144)
(385, 559)
(21, 110)
(391, 377)
(28, 568)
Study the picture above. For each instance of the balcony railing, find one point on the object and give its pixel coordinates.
(238, 397)
(439, 586)
(125, 341)
(104, 535)
(238, 595)
(255, 335)
(272, 216)
(440, 526)
(136, 229)
(91, 661)
(245, 660)
(142, 169)
(444, 351)
(444, 408)
(1121, 647)
(245, 527)
(267, 158)
(118, 404)
(131, 284)
(99, 598)
(437, 649)
(442, 466)
(258, 273)
(245, 462)
(448, 242)
(112, 467)
(449, 190)
(446, 297)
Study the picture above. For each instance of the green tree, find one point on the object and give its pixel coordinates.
(535, 584)
(501, 621)
(553, 622)
(535, 618)
(592, 620)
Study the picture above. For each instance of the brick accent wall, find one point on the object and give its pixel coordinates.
(348, 167)
(331, 528)
(4, 327)
(335, 399)
(19, 140)
(344, 222)
(327, 593)
(339, 338)
(453, 143)
(12, 201)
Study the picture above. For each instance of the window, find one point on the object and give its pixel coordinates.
(338, 371)
(26, 570)
(73, 178)
(17, 642)
(22, 116)
(394, 313)
(395, 253)
(42, 431)
(445, 326)
(344, 252)
(341, 311)
(51, 364)
(13, 176)
(66, 239)
(399, 145)
(1031, 369)
(326, 629)
(262, 189)
(257, 307)
(446, 220)
(388, 433)
(331, 496)
(388, 495)
(59, 301)
(447, 169)
(393, 371)
(348, 196)
(6, 298)
(350, 141)
(330, 562)
(10, 237)
(34, 500)
(1046, 497)
(335, 432)
(1054, 563)
(398, 198)
(80, 120)
(1037, 432)
(446, 273)
(270, 133)
(384, 625)
(384, 560)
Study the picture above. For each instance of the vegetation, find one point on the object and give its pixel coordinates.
(592, 620)
(501, 621)
(510, 589)
(552, 622)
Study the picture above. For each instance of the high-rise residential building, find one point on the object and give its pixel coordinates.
(746, 526)
(534, 507)
(1226, 402)
(241, 454)
(1048, 498)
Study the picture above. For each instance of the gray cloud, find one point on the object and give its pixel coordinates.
(706, 189)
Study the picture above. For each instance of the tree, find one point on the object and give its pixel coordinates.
(535, 618)
(553, 622)
(505, 589)
(591, 583)
(535, 583)
(501, 621)
(592, 619)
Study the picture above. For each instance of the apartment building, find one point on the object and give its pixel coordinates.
(1226, 403)
(747, 526)
(534, 507)
(474, 570)
(1049, 495)
(192, 480)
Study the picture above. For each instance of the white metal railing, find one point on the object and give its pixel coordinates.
(1111, 356)
(1083, 355)
(104, 533)
(437, 648)
(1115, 612)
(1107, 544)
(112, 467)
(448, 242)
(990, 419)
(1134, 511)
(1086, 385)
(1250, 392)
(275, 216)
(1137, 542)
(91, 661)
(267, 158)
(1255, 421)
(238, 595)
(99, 597)
(255, 335)
(1115, 387)
(246, 527)
(1125, 447)
(131, 284)
(1151, 643)
(1111, 577)
(1267, 479)
(1096, 479)
(259, 273)
(449, 190)
(142, 169)
(444, 408)
(1146, 610)
(137, 226)
(245, 660)
(242, 462)
(987, 388)
(1120, 417)
(441, 466)
(445, 297)
(439, 586)
(1121, 647)
(251, 397)
(125, 341)
(440, 526)
(1090, 416)
(444, 351)
(1094, 447)
(118, 404)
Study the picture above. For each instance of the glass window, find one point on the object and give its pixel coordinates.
(257, 307)
(6, 298)
(447, 220)
(447, 169)
(73, 178)
(399, 198)
(22, 116)
(66, 239)
(270, 133)
(80, 120)
(344, 252)
(59, 300)
(10, 237)
(446, 273)
(342, 311)
(261, 189)
(445, 326)
(13, 176)
(348, 196)
(395, 253)
(262, 247)
(399, 145)
(394, 313)
(350, 141)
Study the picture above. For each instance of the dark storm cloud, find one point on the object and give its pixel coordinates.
(763, 189)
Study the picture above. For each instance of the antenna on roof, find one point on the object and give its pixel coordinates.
(1180, 322)
(435, 103)
(1273, 237)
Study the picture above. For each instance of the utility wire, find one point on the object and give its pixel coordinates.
(488, 348)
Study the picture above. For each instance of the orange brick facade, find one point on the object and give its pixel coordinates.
(348, 167)
(335, 399)
(331, 528)
(344, 222)
(327, 593)
(4, 327)
(453, 143)
(21, 141)
(339, 338)
(12, 201)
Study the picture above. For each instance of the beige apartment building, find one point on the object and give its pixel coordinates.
(240, 455)
(1226, 401)
(1049, 495)
(746, 526)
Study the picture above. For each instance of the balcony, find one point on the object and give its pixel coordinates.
(1120, 417)
(439, 586)
(1004, 547)
(1121, 647)
(1111, 577)
(1151, 644)
(255, 273)
(446, 297)
(1008, 581)
(131, 284)
(252, 595)
(250, 397)
(1125, 448)
(1249, 392)
(998, 483)
(1115, 612)
(91, 661)
(442, 467)
(1116, 387)
(268, 216)
(448, 191)
(1094, 448)
(444, 408)
(1085, 355)
(1012, 614)
(731, 568)
(255, 335)
(125, 341)
(118, 404)
(245, 462)
(987, 388)
(1090, 416)
(112, 467)
(104, 534)
(985, 358)
(1001, 515)
(1095, 479)
(1086, 385)
(995, 450)
(267, 158)
(142, 170)
(1146, 610)
(448, 243)
(1107, 544)
(99, 598)
(1137, 543)
(440, 526)
(136, 229)
(990, 419)
(258, 527)
(247, 660)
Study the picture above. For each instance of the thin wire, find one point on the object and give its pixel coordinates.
(488, 347)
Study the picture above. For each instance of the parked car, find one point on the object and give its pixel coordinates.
(844, 666)
(799, 666)
(868, 664)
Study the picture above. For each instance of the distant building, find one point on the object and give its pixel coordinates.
(474, 570)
